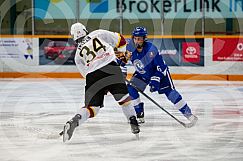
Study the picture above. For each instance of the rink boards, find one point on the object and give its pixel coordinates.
(189, 57)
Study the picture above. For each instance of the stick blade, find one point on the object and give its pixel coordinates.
(192, 123)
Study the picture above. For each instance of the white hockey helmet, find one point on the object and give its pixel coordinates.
(78, 30)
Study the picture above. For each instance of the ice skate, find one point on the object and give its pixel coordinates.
(134, 125)
(193, 120)
(70, 126)
(140, 117)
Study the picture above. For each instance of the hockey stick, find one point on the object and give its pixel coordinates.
(144, 94)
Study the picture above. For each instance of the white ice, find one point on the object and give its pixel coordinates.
(31, 110)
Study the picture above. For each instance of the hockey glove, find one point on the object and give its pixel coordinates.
(123, 56)
(154, 83)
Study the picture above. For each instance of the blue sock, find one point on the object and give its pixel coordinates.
(186, 111)
(174, 96)
(139, 108)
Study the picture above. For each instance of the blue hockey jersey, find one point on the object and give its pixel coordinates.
(148, 62)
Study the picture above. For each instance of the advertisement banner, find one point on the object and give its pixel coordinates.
(227, 49)
(191, 52)
(181, 52)
(138, 9)
(18, 50)
(56, 51)
(175, 52)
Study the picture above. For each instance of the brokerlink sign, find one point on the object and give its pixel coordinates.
(152, 9)
(181, 8)
(138, 9)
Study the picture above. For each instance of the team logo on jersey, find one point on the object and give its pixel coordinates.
(139, 66)
(151, 54)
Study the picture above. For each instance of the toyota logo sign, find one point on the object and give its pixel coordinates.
(240, 46)
(191, 50)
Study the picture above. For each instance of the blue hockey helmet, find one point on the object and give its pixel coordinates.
(140, 31)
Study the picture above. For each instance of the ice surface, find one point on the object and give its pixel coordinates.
(32, 109)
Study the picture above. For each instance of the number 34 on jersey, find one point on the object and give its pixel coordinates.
(92, 54)
(90, 50)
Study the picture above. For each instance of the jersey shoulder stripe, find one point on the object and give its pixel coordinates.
(121, 41)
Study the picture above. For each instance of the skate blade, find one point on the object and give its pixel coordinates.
(141, 122)
(137, 136)
(65, 135)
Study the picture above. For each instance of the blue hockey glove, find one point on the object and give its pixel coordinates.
(154, 83)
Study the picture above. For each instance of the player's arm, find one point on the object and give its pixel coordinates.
(161, 67)
(120, 50)
(122, 57)
(118, 42)
(121, 43)
(115, 39)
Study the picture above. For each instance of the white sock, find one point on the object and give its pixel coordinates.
(128, 110)
(85, 114)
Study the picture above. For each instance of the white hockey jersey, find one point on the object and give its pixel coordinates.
(97, 50)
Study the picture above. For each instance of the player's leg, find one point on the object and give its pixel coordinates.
(94, 97)
(175, 97)
(128, 110)
(168, 88)
(137, 103)
(82, 115)
(119, 91)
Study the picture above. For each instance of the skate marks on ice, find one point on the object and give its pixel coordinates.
(219, 106)
(27, 124)
(218, 135)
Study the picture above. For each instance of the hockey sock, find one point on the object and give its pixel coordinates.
(128, 110)
(88, 112)
(186, 111)
(139, 108)
(175, 97)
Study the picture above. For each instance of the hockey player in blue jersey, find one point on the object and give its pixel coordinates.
(151, 70)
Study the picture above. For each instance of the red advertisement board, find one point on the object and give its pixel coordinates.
(191, 52)
(227, 49)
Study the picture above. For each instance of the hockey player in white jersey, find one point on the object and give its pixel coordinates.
(96, 60)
